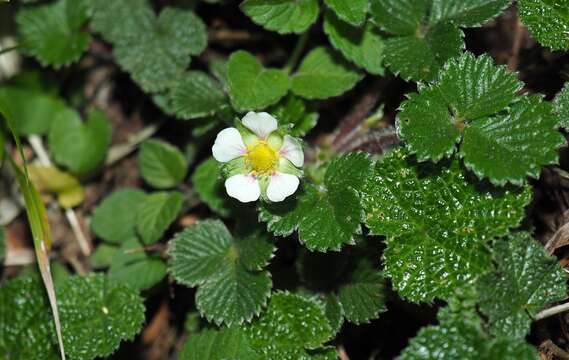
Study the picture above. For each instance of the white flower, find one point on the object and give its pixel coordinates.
(260, 162)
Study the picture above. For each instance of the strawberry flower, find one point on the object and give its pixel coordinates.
(259, 161)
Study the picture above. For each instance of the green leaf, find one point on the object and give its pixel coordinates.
(364, 46)
(458, 337)
(96, 315)
(53, 33)
(103, 256)
(561, 103)
(197, 95)
(327, 216)
(133, 267)
(156, 213)
(161, 164)
(252, 87)
(114, 220)
(400, 17)
(294, 117)
(290, 321)
(421, 56)
(323, 74)
(522, 141)
(255, 249)
(334, 312)
(208, 183)
(207, 255)
(34, 109)
(476, 102)
(547, 21)
(524, 281)
(351, 11)
(466, 12)
(285, 16)
(81, 147)
(230, 343)
(26, 319)
(437, 224)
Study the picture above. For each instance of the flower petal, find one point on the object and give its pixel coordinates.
(292, 150)
(243, 187)
(262, 124)
(228, 145)
(281, 186)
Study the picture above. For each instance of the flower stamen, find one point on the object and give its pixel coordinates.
(261, 158)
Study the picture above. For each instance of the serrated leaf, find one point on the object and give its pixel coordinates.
(466, 12)
(254, 249)
(364, 46)
(161, 165)
(294, 117)
(286, 16)
(548, 21)
(420, 57)
(252, 87)
(399, 17)
(156, 213)
(96, 315)
(114, 220)
(208, 183)
(34, 109)
(26, 319)
(133, 267)
(53, 32)
(561, 103)
(69, 191)
(206, 254)
(457, 338)
(362, 297)
(525, 280)
(351, 11)
(437, 223)
(323, 74)
(81, 147)
(292, 321)
(327, 216)
(334, 312)
(222, 344)
(517, 144)
(196, 95)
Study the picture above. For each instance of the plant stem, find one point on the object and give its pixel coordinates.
(552, 311)
(298, 49)
(8, 49)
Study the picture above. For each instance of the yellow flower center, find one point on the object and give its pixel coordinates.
(261, 158)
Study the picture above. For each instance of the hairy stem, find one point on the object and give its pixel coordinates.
(297, 52)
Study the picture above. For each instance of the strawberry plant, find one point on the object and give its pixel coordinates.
(292, 179)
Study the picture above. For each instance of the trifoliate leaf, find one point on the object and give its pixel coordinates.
(466, 12)
(548, 21)
(207, 255)
(69, 191)
(437, 223)
(293, 115)
(208, 182)
(323, 74)
(286, 16)
(290, 322)
(516, 144)
(362, 297)
(327, 216)
(103, 256)
(196, 95)
(252, 87)
(53, 32)
(562, 106)
(351, 11)
(470, 103)
(229, 343)
(364, 46)
(525, 281)
(81, 147)
(133, 267)
(26, 319)
(156, 213)
(458, 337)
(255, 249)
(96, 315)
(35, 109)
(161, 164)
(114, 220)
